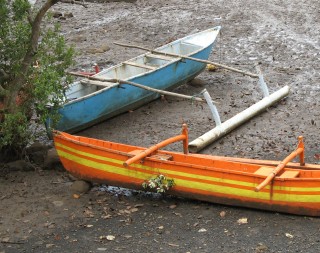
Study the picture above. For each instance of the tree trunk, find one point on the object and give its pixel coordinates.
(17, 83)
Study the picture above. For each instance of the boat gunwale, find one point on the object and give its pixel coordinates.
(62, 135)
(174, 60)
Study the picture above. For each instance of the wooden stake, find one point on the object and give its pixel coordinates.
(190, 58)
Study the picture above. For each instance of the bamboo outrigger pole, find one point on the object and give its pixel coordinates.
(190, 58)
(120, 81)
(230, 124)
(298, 152)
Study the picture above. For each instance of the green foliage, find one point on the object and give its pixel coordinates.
(48, 78)
(15, 130)
(15, 32)
(160, 184)
(45, 80)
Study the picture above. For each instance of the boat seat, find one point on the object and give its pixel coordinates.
(163, 157)
(264, 171)
(290, 174)
(135, 152)
(140, 65)
(188, 43)
(98, 83)
(163, 57)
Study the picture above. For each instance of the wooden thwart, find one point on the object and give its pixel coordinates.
(265, 171)
(164, 157)
(289, 174)
(99, 83)
(298, 152)
(140, 65)
(162, 57)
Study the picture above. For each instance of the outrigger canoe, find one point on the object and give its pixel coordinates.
(275, 186)
(88, 102)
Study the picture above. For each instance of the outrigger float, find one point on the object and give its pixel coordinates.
(269, 185)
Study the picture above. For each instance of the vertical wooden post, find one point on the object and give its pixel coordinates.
(301, 145)
(186, 140)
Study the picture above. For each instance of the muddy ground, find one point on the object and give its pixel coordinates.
(39, 213)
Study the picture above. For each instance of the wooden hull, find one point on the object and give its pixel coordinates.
(195, 176)
(90, 104)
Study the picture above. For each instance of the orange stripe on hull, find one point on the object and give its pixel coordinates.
(222, 182)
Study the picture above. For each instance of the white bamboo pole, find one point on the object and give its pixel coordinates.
(237, 120)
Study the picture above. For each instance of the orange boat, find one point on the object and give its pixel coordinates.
(276, 186)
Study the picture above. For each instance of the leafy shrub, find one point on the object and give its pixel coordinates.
(32, 70)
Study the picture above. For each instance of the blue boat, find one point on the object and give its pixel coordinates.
(88, 103)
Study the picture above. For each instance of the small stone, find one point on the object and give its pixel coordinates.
(110, 237)
(56, 14)
(242, 221)
(80, 186)
(68, 15)
(261, 248)
(222, 214)
(58, 203)
(196, 82)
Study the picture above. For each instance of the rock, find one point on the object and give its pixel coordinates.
(79, 38)
(35, 147)
(105, 47)
(197, 82)
(52, 160)
(58, 203)
(19, 165)
(38, 157)
(68, 15)
(37, 153)
(98, 50)
(261, 248)
(80, 186)
(49, 245)
(56, 14)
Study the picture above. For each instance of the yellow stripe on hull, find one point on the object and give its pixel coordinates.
(231, 189)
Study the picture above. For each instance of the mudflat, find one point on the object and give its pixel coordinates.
(40, 213)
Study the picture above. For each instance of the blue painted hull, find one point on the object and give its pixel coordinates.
(106, 103)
